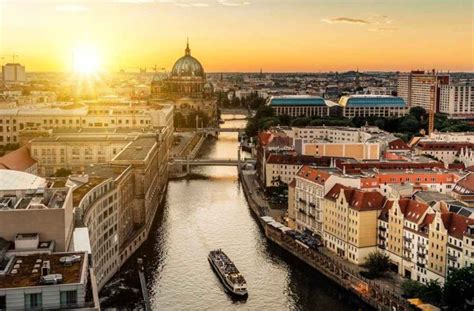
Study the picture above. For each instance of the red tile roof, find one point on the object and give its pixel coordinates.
(18, 160)
(358, 199)
(274, 158)
(413, 210)
(465, 185)
(313, 174)
(456, 224)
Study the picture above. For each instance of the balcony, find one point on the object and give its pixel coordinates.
(421, 245)
(452, 258)
(382, 246)
(302, 201)
(302, 211)
(382, 228)
(407, 239)
(421, 265)
(421, 255)
(381, 237)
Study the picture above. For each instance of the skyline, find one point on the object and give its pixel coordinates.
(233, 36)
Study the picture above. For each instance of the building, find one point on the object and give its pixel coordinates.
(350, 222)
(302, 105)
(322, 148)
(31, 204)
(380, 90)
(43, 281)
(447, 152)
(457, 101)
(13, 72)
(186, 86)
(372, 106)
(87, 115)
(424, 242)
(282, 168)
(419, 88)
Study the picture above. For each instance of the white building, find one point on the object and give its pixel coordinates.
(457, 101)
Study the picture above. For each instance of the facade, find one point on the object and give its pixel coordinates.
(350, 222)
(372, 105)
(302, 105)
(457, 101)
(90, 115)
(424, 242)
(419, 88)
(30, 204)
(359, 151)
(447, 152)
(13, 72)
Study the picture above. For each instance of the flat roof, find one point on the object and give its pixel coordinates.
(25, 277)
(82, 190)
(138, 149)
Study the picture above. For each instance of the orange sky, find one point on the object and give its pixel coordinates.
(234, 35)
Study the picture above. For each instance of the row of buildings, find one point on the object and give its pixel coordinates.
(409, 201)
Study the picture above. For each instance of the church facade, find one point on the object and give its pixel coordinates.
(187, 87)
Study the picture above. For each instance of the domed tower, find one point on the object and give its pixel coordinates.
(187, 79)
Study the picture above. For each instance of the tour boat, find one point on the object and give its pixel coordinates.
(226, 270)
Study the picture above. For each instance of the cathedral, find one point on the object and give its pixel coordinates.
(186, 86)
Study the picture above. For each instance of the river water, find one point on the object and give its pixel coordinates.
(209, 211)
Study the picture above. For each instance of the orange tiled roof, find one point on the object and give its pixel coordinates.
(456, 224)
(18, 160)
(413, 210)
(313, 174)
(358, 199)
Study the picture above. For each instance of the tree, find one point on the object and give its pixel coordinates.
(418, 112)
(62, 172)
(410, 124)
(411, 288)
(376, 263)
(459, 288)
(432, 292)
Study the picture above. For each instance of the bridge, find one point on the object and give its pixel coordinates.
(210, 130)
(208, 162)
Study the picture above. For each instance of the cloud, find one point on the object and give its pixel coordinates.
(346, 20)
(70, 7)
(382, 29)
(233, 2)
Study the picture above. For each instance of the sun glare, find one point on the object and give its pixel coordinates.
(86, 60)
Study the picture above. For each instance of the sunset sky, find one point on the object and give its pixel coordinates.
(234, 35)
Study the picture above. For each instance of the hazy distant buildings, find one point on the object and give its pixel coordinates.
(419, 88)
(13, 72)
(457, 100)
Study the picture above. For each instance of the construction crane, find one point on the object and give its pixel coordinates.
(433, 82)
(13, 56)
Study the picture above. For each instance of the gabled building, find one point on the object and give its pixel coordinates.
(350, 222)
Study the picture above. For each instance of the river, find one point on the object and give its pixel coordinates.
(209, 211)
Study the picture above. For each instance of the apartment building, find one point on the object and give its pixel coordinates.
(419, 88)
(423, 242)
(350, 222)
(282, 168)
(447, 152)
(457, 101)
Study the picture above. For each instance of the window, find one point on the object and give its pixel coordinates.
(68, 298)
(33, 301)
(3, 302)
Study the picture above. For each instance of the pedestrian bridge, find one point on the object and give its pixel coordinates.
(208, 162)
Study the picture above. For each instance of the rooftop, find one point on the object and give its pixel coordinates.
(371, 100)
(82, 190)
(25, 277)
(297, 100)
(138, 149)
(17, 180)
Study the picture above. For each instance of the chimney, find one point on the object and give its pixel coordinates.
(46, 268)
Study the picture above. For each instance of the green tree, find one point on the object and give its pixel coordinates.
(411, 288)
(459, 288)
(418, 112)
(432, 292)
(376, 264)
(409, 124)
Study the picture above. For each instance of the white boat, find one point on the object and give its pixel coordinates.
(230, 276)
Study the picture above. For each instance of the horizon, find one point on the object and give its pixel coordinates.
(242, 36)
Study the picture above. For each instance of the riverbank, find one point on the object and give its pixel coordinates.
(373, 292)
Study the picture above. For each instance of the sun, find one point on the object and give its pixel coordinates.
(86, 60)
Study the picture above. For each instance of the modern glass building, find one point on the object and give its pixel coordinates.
(373, 105)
